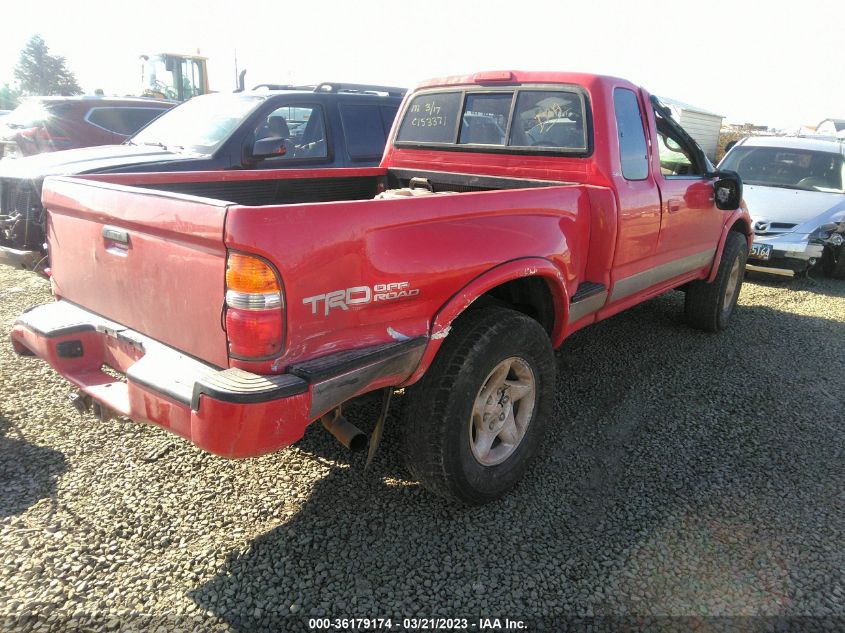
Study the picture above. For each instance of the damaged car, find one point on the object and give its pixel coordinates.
(794, 188)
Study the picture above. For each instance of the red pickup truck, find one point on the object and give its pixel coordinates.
(510, 210)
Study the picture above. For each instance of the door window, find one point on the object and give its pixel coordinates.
(192, 82)
(677, 158)
(300, 126)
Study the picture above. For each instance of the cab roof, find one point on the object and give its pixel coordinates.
(515, 77)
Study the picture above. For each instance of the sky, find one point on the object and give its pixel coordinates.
(775, 64)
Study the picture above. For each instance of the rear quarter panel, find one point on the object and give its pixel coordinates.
(436, 244)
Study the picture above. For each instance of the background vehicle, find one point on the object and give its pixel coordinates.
(831, 127)
(174, 76)
(335, 125)
(49, 124)
(242, 316)
(795, 193)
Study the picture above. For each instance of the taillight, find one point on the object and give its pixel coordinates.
(254, 308)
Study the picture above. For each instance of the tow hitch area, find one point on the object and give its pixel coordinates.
(80, 401)
(83, 403)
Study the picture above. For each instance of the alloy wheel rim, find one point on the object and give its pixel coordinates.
(732, 286)
(502, 411)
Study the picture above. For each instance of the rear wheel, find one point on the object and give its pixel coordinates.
(833, 261)
(709, 306)
(475, 419)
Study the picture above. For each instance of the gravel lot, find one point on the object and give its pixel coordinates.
(686, 474)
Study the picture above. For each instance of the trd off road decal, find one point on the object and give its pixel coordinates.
(360, 295)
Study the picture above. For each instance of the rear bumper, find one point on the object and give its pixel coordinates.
(19, 259)
(229, 412)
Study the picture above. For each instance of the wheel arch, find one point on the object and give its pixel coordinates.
(739, 222)
(533, 286)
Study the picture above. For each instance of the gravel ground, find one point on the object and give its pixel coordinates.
(686, 474)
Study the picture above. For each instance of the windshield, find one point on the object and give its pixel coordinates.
(200, 125)
(787, 168)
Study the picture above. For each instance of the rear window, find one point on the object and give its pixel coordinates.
(125, 121)
(431, 118)
(535, 119)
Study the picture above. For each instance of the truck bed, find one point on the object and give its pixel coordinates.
(260, 188)
(146, 251)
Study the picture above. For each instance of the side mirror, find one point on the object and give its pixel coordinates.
(727, 190)
(269, 148)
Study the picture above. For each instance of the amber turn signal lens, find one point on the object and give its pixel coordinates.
(249, 274)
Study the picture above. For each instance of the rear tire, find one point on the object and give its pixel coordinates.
(475, 419)
(709, 306)
(833, 261)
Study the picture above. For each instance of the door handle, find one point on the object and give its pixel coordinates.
(115, 235)
(674, 205)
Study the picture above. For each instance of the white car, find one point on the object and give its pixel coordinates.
(794, 188)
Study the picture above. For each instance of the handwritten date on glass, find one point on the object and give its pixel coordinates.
(431, 112)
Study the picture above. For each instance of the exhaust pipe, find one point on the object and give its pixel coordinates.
(344, 431)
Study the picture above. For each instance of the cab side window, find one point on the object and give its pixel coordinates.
(364, 130)
(629, 126)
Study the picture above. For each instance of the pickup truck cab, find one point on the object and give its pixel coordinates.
(243, 306)
(270, 127)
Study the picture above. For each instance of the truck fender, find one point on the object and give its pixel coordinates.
(740, 215)
(516, 269)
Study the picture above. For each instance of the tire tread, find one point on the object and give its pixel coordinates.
(702, 305)
(424, 441)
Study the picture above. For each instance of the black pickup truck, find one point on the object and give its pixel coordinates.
(269, 127)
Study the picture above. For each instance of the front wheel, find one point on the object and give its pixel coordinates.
(709, 306)
(475, 419)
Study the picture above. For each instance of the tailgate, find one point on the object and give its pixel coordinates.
(152, 261)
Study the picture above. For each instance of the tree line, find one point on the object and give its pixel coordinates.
(40, 73)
